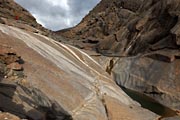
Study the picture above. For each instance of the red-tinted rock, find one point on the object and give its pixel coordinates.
(14, 15)
(15, 66)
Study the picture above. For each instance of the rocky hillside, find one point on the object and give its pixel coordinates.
(13, 14)
(11, 10)
(140, 38)
(129, 27)
(42, 79)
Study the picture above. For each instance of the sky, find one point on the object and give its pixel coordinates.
(58, 14)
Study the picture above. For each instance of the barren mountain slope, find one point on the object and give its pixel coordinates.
(41, 79)
(141, 37)
(129, 27)
(13, 14)
(58, 81)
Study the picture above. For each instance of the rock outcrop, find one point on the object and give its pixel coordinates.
(13, 14)
(8, 116)
(142, 37)
(155, 78)
(10, 64)
(129, 27)
(12, 11)
(17, 96)
(58, 82)
(42, 79)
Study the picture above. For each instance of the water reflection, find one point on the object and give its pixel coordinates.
(150, 104)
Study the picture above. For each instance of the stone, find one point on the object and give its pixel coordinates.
(166, 56)
(15, 66)
(8, 116)
(2, 21)
(172, 118)
(117, 111)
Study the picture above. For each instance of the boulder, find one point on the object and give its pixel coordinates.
(15, 66)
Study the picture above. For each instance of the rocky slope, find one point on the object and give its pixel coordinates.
(11, 10)
(41, 79)
(14, 15)
(142, 39)
(130, 26)
(58, 82)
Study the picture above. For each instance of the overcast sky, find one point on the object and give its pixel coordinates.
(58, 14)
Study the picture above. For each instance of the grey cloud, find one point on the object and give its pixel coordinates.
(56, 17)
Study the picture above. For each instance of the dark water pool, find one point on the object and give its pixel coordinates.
(150, 104)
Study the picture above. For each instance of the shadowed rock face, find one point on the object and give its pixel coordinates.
(19, 98)
(146, 34)
(154, 78)
(30, 103)
(129, 27)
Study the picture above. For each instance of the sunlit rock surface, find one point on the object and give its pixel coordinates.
(142, 37)
(61, 82)
(8, 116)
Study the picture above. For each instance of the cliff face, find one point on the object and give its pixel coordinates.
(142, 37)
(42, 79)
(129, 27)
